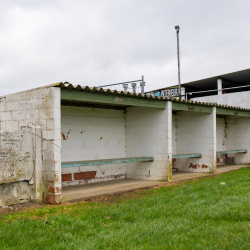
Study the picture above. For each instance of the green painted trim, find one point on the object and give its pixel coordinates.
(191, 107)
(233, 112)
(187, 156)
(105, 162)
(101, 98)
(231, 151)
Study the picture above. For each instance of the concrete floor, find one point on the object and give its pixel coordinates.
(87, 191)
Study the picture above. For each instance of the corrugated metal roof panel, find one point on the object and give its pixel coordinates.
(70, 86)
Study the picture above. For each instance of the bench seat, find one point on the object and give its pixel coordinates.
(232, 151)
(186, 156)
(105, 162)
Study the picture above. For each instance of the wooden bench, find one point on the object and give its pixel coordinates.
(231, 151)
(105, 162)
(185, 156)
(229, 160)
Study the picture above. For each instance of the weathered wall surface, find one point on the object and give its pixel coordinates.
(196, 134)
(149, 134)
(15, 193)
(90, 134)
(221, 134)
(16, 156)
(174, 129)
(238, 137)
(16, 167)
(39, 107)
(241, 99)
(221, 139)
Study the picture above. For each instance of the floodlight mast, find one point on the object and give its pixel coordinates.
(177, 28)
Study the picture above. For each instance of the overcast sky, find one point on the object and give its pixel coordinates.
(101, 42)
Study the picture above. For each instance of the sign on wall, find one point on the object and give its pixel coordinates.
(167, 93)
(171, 92)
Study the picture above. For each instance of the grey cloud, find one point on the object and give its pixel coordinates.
(106, 41)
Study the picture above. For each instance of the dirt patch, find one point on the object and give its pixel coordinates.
(20, 207)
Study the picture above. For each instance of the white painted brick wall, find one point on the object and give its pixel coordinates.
(174, 129)
(195, 133)
(147, 136)
(238, 137)
(39, 107)
(221, 134)
(90, 134)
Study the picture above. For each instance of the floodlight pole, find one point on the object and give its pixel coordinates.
(177, 28)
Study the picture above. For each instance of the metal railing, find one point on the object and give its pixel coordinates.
(223, 90)
(136, 86)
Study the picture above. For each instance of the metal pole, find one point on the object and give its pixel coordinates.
(179, 78)
(142, 84)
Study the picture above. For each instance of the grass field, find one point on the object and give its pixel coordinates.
(210, 213)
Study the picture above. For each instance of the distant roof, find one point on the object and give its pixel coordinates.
(234, 79)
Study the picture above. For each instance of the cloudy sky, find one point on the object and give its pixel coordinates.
(101, 42)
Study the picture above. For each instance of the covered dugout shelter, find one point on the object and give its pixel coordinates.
(91, 134)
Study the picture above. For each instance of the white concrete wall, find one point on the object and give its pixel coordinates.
(174, 129)
(221, 134)
(16, 167)
(16, 156)
(238, 137)
(241, 99)
(39, 107)
(149, 134)
(20, 166)
(221, 139)
(196, 133)
(236, 130)
(91, 134)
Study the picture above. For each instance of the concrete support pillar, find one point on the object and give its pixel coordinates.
(213, 170)
(219, 86)
(183, 93)
(52, 154)
(169, 139)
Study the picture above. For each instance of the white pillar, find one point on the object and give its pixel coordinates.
(183, 93)
(169, 139)
(219, 86)
(214, 141)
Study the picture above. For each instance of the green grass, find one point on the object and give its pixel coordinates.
(211, 213)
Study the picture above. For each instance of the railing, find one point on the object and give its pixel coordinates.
(136, 86)
(224, 91)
